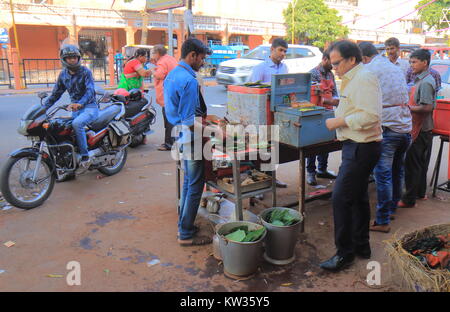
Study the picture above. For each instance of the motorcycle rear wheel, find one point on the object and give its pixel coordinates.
(111, 170)
(24, 183)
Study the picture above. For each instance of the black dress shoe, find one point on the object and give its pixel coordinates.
(326, 175)
(337, 263)
(281, 184)
(311, 179)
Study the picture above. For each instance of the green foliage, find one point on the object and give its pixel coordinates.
(253, 236)
(282, 217)
(432, 14)
(314, 23)
(242, 234)
(237, 236)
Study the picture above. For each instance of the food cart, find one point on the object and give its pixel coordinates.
(302, 133)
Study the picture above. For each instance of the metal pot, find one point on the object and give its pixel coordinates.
(213, 204)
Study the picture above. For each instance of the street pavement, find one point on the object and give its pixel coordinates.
(122, 229)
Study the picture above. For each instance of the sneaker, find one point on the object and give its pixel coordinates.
(164, 147)
(85, 162)
(326, 175)
(311, 179)
(281, 184)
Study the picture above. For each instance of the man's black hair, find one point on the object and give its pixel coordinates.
(392, 42)
(421, 54)
(326, 54)
(367, 49)
(347, 49)
(194, 45)
(278, 42)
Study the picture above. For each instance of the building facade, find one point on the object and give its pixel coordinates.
(97, 26)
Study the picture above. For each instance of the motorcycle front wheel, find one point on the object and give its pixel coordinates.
(17, 185)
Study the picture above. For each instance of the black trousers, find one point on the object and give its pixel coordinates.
(168, 139)
(416, 167)
(351, 206)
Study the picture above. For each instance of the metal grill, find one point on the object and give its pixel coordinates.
(46, 71)
(5, 75)
(227, 70)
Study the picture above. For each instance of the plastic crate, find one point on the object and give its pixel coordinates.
(249, 106)
(441, 117)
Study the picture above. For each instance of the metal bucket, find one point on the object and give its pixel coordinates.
(281, 240)
(240, 258)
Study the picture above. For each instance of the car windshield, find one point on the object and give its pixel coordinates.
(263, 53)
(259, 53)
(444, 70)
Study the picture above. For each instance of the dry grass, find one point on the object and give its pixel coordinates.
(416, 276)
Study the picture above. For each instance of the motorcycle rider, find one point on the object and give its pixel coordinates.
(77, 80)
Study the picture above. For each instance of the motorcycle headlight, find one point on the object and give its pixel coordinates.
(23, 126)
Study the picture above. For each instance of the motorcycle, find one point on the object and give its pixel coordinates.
(28, 176)
(139, 113)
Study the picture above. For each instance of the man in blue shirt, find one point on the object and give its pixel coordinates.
(263, 72)
(78, 82)
(184, 107)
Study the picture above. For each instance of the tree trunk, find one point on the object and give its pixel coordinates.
(145, 19)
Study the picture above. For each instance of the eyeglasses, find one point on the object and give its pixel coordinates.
(336, 64)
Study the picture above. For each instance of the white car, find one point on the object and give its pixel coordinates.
(299, 59)
(443, 67)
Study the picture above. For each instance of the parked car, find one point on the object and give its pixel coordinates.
(443, 67)
(299, 59)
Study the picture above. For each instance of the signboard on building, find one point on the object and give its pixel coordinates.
(159, 5)
(165, 25)
(100, 22)
(4, 38)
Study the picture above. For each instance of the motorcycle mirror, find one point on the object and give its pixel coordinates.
(42, 95)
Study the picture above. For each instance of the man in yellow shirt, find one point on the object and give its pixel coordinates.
(358, 126)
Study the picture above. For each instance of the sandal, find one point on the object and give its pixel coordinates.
(195, 241)
(196, 230)
(164, 147)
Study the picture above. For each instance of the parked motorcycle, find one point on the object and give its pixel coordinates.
(139, 113)
(28, 176)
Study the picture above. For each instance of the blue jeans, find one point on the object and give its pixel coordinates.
(194, 181)
(389, 173)
(81, 119)
(311, 163)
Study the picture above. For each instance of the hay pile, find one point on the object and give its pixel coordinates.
(415, 275)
